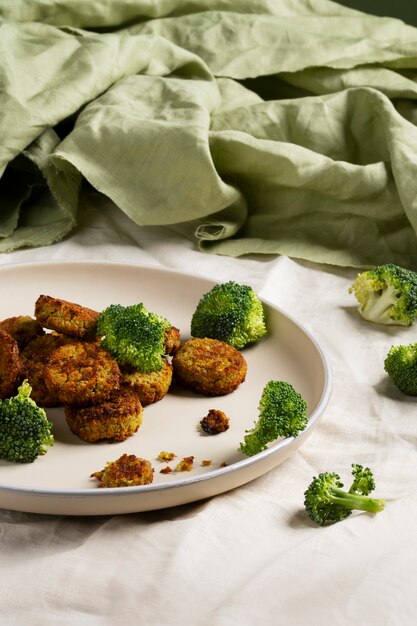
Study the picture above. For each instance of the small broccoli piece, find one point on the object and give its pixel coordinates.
(282, 413)
(387, 295)
(134, 336)
(229, 312)
(327, 502)
(25, 431)
(401, 366)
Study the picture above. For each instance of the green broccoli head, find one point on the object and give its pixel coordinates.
(134, 335)
(230, 312)
(363, 480)
(387, 295)
(326, 501)
(282, 413)
(401, 366)
(25, 431)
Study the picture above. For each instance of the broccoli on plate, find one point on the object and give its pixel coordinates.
(25, 431)
(401, 366)
(387, 295)
(282, 413)
(326, 501)
(230, 312)
(134, 336)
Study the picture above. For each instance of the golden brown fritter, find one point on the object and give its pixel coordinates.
(66, 317)
(209, 366)
(127, 471)
(172, 340)
(115, 419)
(10, 365)
(215, 422)
(82, 373)
(35, 357)
(150, 386)
(23, 328)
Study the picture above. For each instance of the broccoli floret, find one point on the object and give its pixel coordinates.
(327, 502)
(25, 431)
(134, 336)
(401, 366)
(282, 413)
(387, 295)
(230, 312)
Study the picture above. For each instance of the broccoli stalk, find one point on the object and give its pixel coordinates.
(282, 413)
(134, 336)
(229, 312)
(25, 431)
(327, 502)
(387, 295)
(401, 366)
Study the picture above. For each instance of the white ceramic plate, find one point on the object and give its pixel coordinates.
(59, 482)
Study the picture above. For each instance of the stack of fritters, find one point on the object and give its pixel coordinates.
(67, 366)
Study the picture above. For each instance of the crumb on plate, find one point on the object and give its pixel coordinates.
(215, 422)
(166, 456)
(185, 465)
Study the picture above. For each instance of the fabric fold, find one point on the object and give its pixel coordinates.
(257, 127)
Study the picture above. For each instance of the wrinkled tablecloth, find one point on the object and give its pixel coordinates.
(249, 556)
(267, 126)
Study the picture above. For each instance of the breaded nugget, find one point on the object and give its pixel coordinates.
(66, 317)
(127, 471)
(172, 340)
(10, 365)
(82, 373)
(35, 357)
(150, 386)
(116, 419)
(209, 366)
(23, 328)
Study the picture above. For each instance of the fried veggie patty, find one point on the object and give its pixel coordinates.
(172, 340)
(35, 357)
(10, 365)
(23, 328)
(117, 418)
(82, 373)
(127, 471)
(149, 386)
(209, 366)
(66, 317)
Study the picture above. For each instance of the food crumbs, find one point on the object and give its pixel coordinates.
(165, 456)
(185, 465)
(165, 470)
(206, 462)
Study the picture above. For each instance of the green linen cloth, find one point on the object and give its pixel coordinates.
(254, 126)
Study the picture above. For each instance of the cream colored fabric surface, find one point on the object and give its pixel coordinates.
(250, 556)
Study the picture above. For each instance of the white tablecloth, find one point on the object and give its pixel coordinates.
(249, 556)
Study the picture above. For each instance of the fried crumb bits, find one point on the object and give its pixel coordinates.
(127, 471)
(215, 422)
(185, 465)
(206, 462)
(165, 456)
(165, 470)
